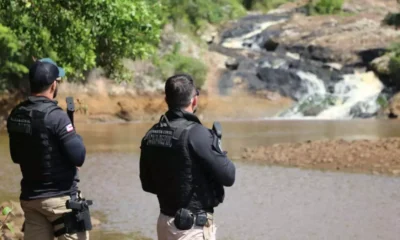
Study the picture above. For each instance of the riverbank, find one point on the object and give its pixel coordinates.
(126, 107)
(380, 156)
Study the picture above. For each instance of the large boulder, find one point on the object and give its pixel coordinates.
(393, 109)
(380, 65)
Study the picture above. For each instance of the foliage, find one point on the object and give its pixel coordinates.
(392, 19)
(263, 4)
(382, 100)
(199, 12)
(10, 64)
(6, 212)
(78, 35)
(394, 63)
(174, 63)
(325, 6)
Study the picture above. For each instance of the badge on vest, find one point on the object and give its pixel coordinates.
(160, 138)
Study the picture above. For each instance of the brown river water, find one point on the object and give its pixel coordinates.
(265, 202)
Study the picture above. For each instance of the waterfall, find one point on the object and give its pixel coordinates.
(354, 96)
(322, 90)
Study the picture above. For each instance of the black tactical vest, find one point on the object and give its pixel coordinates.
(180, 180)
(43, 167)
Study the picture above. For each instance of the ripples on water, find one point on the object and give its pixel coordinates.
(265, 202)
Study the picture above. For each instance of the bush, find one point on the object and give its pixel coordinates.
(325, 6)
(78, 35)
(174, 63)
(394, 63)
(392, 19)
(199, 12)
(10, 66)
(263, 4)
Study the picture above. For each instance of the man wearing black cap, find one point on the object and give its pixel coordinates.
(45, 145)
(183, 164)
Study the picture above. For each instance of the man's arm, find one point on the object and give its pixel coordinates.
(71, 144)
(145, 174)
(14, 145)
(203, 144)
(13, 151)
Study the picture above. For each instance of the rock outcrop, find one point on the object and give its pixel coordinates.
(312, 59)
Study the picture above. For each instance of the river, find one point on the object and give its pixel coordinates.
(265, 202)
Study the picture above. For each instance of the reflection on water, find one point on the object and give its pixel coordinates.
(265, 202)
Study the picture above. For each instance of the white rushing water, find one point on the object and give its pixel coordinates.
(355, 93)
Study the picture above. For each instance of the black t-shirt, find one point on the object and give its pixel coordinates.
(70, 144)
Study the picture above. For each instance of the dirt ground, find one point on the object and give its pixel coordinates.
(149, 107)
(16, 219)
(360, 156)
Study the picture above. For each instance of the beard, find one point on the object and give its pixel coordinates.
(195, 109)
(55, 92)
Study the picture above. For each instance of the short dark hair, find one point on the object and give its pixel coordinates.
(41, 76)
(39, 89)
(179, 90)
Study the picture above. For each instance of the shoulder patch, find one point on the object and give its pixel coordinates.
(69, 127)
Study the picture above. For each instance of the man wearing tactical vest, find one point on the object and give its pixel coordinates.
(44, 143)
(183, 164)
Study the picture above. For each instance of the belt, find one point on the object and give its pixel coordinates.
(170, 214)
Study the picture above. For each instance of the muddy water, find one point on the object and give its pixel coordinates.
(265, 202)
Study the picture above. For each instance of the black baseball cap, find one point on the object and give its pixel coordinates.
(44, 72)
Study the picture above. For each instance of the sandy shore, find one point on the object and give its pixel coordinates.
(381, 156)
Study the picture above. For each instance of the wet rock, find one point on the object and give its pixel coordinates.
(333, 66)
(286, 82)
(251, 23)
(380, 65)
(270, 45)
(232, 63)
(248, 65)
(313, 52)
(250, 32)
(370, 54)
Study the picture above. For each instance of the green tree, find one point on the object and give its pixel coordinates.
(263, 4)
(325, 6)
(79, 35)
(198, 12)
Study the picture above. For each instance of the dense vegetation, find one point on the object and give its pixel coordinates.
(324, 6)
(82, 35)
(393, 69)
(78, 35)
